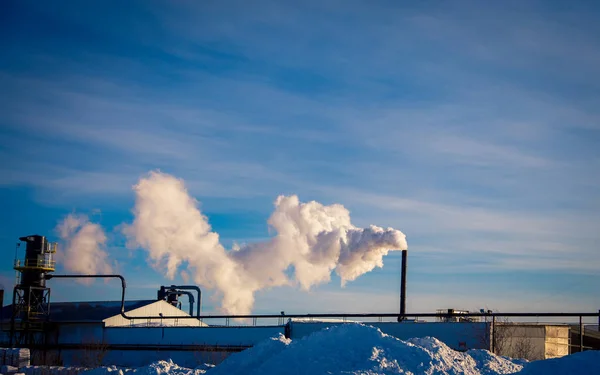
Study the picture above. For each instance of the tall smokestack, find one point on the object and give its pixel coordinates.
(403, 287)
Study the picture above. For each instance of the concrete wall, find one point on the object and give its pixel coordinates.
(189, 358)
(532, 341)
(557, 341)
(234, 336)
(138, 358)
(90, 333)
(520, 341)
(190, 346)
(458, 336)
(165, 336)
(138, 346)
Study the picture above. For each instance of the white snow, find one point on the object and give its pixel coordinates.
(156, 368)
(365, 350)
(361, 349)
(586, 363)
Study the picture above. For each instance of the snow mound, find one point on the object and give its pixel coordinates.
(586, 363)
(365, 350)
(248, 361)
(156, 368)
(361, 349)
(480, 361)
(489, 363)
(106, 370)
(165, 368)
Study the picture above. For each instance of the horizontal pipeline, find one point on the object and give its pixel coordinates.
(336, 315)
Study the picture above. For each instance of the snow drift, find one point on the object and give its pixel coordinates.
(360, 349)
(586, 363)
(156, 368)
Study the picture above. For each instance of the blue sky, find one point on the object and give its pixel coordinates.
(472, 127)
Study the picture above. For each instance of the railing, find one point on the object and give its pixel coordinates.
(494, 318)
(51, 247)
(35, 263)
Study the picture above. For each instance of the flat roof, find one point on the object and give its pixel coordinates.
(84, 311)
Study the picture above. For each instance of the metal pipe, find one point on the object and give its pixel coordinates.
(350, 315)
(191, 287)
(190, 297)
(123, 285)
(395, 315)
(369, 315)
(403, 286)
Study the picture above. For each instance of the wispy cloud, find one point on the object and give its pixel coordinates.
(472, 128)
(463, 150)
(325, 301)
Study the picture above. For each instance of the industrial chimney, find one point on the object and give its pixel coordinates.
(403, 286)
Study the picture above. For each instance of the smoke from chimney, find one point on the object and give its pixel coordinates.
(83, 250)
(310, 241)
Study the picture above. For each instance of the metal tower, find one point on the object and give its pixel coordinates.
(31, 297)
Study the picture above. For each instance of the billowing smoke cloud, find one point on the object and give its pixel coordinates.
(310, 242)
(82, 251)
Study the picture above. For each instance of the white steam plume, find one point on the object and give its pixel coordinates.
(83, 246)
(311, 240)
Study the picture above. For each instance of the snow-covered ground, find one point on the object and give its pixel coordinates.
(365, 350)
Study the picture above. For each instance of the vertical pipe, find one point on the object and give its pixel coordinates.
(403, 286)
(580, 333)
(191, 287)
(493, 335)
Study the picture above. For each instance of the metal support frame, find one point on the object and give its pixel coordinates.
(31, 310)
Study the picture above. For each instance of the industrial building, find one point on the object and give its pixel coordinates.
(532, 341)
(134, 333)
(109, 313)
